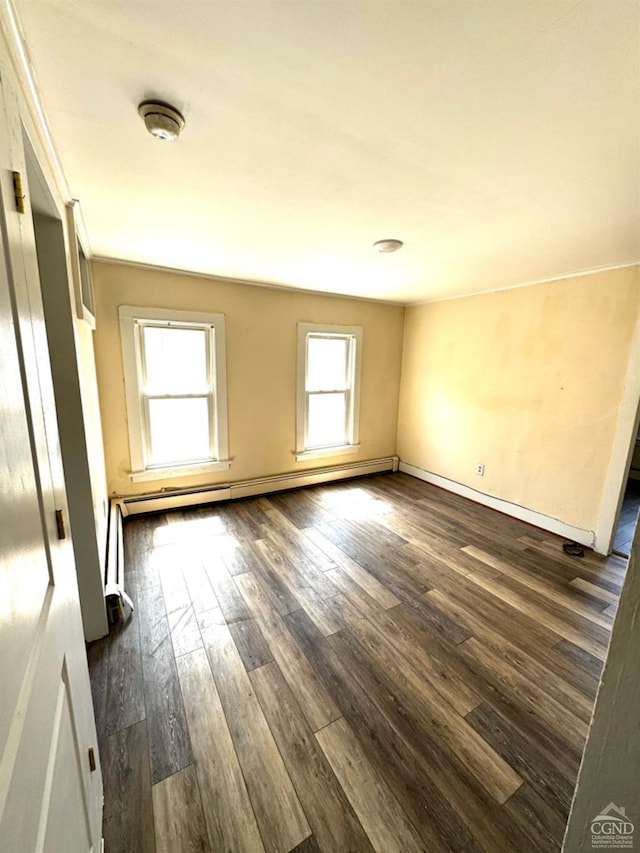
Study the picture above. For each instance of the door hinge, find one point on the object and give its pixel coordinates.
(18, 192)
(92, 759)
(62, 533)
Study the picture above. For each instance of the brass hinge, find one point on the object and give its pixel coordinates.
(92, 759)
(18, 192)
(62, 533)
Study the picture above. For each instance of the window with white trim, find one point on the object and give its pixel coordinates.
(175, 382)
(328, 398)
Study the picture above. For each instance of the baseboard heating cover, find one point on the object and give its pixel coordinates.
(114, 591)
(177, 498)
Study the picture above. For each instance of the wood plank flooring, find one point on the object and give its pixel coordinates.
(370, 665)
(628, 518)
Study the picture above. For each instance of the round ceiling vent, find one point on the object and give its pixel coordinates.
(161, 120)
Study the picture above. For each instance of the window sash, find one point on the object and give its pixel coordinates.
(145, 396)
(139, 398)
(346, 389)
(146, 418)
(348, 430)
(210, 351)
(348, 373)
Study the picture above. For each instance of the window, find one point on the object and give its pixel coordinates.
(176, 392)
(328, 390)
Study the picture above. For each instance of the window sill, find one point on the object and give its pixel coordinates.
(179, 471)
(320, 452)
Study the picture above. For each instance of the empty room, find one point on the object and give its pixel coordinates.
(320, 371)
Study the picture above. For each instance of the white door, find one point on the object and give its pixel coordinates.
(50, 799)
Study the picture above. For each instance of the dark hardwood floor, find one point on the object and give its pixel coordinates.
(371, 665)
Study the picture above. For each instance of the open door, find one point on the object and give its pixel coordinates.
(50, 785)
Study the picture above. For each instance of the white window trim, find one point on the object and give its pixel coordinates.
(352, 446)
(140, 472)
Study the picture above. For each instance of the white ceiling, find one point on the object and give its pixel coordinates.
(498, 138)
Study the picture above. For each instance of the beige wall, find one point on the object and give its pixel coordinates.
(528, 382)
(261, 364)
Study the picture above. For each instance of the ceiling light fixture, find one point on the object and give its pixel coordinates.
(388, 245)
(161, 120)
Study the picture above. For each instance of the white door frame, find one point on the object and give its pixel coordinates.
(621, 451)
(47, 229)
(50, 785)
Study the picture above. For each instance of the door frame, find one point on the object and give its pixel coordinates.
(54, 241)
(621, 451)
(48, 728)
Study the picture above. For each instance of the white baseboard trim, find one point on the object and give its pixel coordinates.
(177, 498)
(538, 519)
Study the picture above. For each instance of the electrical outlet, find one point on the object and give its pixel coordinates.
(480, 469)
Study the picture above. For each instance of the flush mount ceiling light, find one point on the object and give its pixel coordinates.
(387, 245)
(161, 120)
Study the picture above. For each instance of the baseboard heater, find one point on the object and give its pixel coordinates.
(167, 499)
(114, 592)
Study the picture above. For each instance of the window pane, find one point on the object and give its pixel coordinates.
(179, 430)
(326, 363)
(176, 360)
(327, 424)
